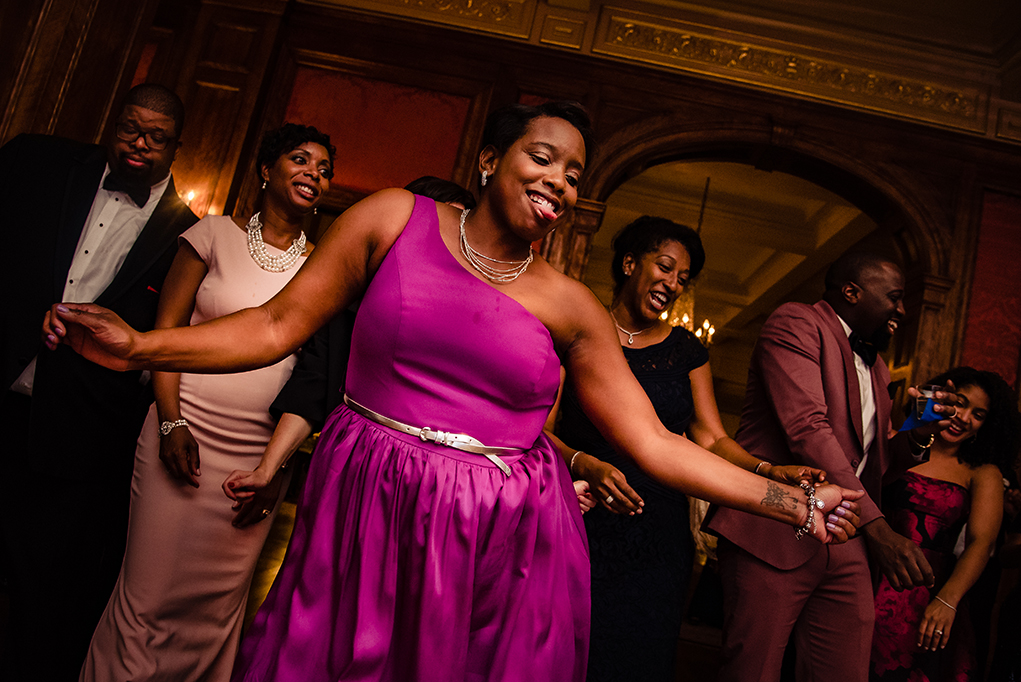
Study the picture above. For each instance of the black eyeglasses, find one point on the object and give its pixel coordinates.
(154, 139)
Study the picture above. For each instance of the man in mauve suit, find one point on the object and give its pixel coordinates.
(812, 400)
(83, 223)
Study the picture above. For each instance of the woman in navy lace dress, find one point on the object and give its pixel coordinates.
(923, 634)
(641, 562)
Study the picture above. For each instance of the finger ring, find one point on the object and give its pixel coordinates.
(939, 632)
(265, 512)
(609, 499)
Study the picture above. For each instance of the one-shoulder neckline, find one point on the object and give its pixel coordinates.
(435, 233)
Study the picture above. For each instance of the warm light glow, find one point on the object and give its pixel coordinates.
(684, 320)
(189, 197)
(664, 315)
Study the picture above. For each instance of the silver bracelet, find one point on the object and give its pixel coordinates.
(571, 467)
(944, 603)
(167, 427)
(756, 471)
(812, 505)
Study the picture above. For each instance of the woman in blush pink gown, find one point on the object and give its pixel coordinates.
(179, 602)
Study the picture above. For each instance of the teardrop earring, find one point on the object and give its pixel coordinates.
(484, 174)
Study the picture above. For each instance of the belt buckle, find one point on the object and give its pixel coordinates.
(424, 432)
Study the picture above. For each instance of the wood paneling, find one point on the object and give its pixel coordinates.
(223, 71)
(71, 58)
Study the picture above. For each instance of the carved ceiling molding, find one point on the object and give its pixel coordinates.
(510, 18)
(806, 65)
(647, 38)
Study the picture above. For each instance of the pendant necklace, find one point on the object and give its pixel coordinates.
(477, 260)
(630, 335)
(257, 249)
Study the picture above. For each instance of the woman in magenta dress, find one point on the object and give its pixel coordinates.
(177, 608)
(413, 560)
(923, 634)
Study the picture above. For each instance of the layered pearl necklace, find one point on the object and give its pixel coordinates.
(257, 249)
(477, 260)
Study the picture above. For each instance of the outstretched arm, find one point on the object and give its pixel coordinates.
(627, 419)
(706, 429)
(335, 274)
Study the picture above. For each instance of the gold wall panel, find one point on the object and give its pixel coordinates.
(562, 31)
(658, 40)
(1008, 127)
(512, 18)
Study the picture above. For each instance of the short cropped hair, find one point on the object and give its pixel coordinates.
(853, 267)
(507, 125)
(648, 233)
(159, 99)
(276, 143)
(443, 191)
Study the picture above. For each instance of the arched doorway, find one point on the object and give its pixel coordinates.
(874, 205)
(769, 237)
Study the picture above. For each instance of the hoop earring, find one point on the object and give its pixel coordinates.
(484, 174)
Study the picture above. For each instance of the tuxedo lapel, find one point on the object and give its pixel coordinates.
(83, 182)
(850, 373)
(155, 237)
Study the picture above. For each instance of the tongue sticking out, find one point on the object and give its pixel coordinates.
(544, 208)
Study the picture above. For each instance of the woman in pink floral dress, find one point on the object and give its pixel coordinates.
(923, 634)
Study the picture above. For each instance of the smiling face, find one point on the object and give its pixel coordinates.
(133, 160)
(536, 180)
(879, 306)
(972, 411)
(299, 178)
(655, 280)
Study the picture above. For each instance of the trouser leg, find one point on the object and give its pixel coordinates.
(761, 606)
(834, 634)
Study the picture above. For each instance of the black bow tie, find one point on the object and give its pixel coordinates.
(138, 194)
(863, 349)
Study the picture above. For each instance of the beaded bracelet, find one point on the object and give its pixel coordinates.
(812, 505)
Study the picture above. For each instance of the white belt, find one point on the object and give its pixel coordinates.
(458, 441)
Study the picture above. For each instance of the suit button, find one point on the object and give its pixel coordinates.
(854, 463)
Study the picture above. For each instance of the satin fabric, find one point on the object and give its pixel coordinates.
(411, 561)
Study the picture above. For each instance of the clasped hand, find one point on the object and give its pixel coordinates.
(837, 520)
(254, 494)
(92, 331)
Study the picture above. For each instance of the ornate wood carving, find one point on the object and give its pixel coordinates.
(567, 248)
(655, 39)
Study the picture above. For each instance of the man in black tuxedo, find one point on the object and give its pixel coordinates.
(82, 223)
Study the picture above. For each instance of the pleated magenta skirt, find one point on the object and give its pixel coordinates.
(415, 562)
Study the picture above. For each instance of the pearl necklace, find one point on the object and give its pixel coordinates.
(476, 260)
(630, 335)
(257, 249)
